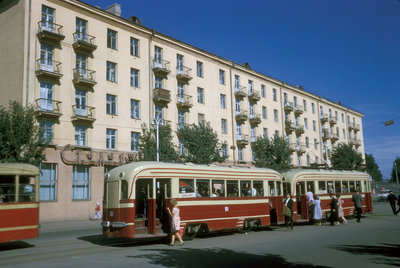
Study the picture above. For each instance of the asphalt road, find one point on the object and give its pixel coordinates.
(375, 242)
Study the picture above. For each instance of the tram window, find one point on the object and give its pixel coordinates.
(278, 188)
(232, 188)
(7, 189)
(245, 188)
(186, 186)
(358, 186)
(286, 188)
(218, 188)
(124, 189)
(345, 186)
(300, 188)
(258, 188)
(352, 187)
(310, 186)
(322, 187)
(271, 186)
(337, 187)
(203, 187)
(330, 187)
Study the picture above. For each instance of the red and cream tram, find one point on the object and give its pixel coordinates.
(324, 182)
(19, 201)
(210, 198)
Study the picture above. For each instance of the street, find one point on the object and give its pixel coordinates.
(375, 242)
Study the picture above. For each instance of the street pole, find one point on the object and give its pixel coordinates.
(397, 177)
(158, 121)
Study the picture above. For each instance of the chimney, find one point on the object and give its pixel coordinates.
(114, 9)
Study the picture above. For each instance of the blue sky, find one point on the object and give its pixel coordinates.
(342, 50)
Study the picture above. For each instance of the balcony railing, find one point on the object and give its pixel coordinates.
(298, 109)
(162, 95)
(84, 77)
(84, 42)
(50, 31)
(241, 115)
(240, 91)
(299, 129)
(181, 125)
(288, 106)
(254, 95)
(324, 118)
(354, 141)
(183, 73)
(332, 120)
(334, 137)
(184, 101)
(325, 134)
(242, 139)
(48, 68)
(289, 126)
(47, 108)
(84, 114)
(161, 67)
(354, 126)
(298, 148)
(255, 119)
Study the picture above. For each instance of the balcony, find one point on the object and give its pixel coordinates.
(298, 110)
(84, 43)
(83, 114)
(161, 67)
(241, 115)
(325, 134)
(46, 108)
(334, 137)
(49, 69)
(255, 119)
(84, 77)
(242, 139)
(183, 73)
(289, 126)
(254, 95)
(354, 126)
(240, 91)
(162, 95)
(332, 121)
(184, 101)
(50, 32)
(181, 126)
(297, 148)
(288, 106)
(354, 141)
(299, 129)
(324, 118)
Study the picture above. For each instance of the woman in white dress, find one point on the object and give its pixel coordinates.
(340, 209)
(317, 210)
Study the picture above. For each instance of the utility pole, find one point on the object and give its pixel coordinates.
(158, 121)
(395, 170)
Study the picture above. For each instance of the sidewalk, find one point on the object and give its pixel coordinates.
(50, 227)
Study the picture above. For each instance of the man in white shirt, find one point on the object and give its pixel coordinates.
(310, 200)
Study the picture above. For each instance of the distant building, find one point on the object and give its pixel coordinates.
(94, 78)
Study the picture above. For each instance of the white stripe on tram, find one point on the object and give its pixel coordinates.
(226, 218)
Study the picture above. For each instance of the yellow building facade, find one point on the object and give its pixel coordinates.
(94, 78)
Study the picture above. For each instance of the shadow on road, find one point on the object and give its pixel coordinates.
(388, 253)
(14, 245)
(215, 257)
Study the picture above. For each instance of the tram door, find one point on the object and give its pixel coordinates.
(301, 200)
(143, 203)
(163, 193)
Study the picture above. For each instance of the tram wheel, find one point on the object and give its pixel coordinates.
(247, 225)
(191, 232)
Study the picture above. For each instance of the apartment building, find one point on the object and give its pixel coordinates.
(94, 78)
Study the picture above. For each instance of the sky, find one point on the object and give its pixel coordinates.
(342, 50)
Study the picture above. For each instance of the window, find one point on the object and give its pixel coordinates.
(315, 144)
(342, 118)
(48, 182)
(80, 135)
(223, 101)
(314, 125)
(224, 150)
(159, 112)
(265, 133)
(252, 133)
(305, 123)
(134, 47)
(336, 117)
(81, 66)
(201, 118)
(158, 82)
(276, 115)
(111, 72)
(240, 153)
(308, 161)
(179, 64)
(264, 112)
(307, 143)
(305, 105)
(46, 57)
(181, 119)
(111, 139)
(135, 140)
(232, 188)
(250, 87)
(47, 127)
(271, 186)
(80, 29)
(46, 96)
(111, 104)
(274, 98)
(222, 77)
(344, 133)
(81, 183)
(277, 133)
(237, 105)
(237, 83)
(200, 95)
(80, 103)
(251, 111)
(298, 160)
(111, 39)
(134, 78)
(218, 188)
(313, 108)
(158, 57)
(181, 92)
(295, 102)
(135, 109)
(223, 126)
(263, 91)
(199, 69)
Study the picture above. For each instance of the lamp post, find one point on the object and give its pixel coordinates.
(158, 121)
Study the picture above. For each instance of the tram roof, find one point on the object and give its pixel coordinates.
(293, 174)
(135, 167)
(18, 169)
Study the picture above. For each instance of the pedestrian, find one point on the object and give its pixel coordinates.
(175, 223)
(310, 200)
(357, 199)
(97, 212)
(340, 209)
(317, 210)
(334, 210)
(288, 206)
(398, 203)
(391, 199)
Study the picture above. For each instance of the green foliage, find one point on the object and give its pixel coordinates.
(272, 153)
(201, 144)
(372, 168)
(393, 176)
(345, 157)
(21, 139)
(148, 144)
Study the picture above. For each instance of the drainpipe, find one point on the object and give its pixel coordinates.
(28, 54)
(233, 147)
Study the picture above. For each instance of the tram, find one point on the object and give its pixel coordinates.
(210, 198)
(19, 201)
(325, 182)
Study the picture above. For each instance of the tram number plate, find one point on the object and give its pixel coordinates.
(226, 208)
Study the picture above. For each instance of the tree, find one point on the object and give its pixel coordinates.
(272, 153)
(393, 176)
(148, 144)
(372, 168)
(201, 144)
(345, 157)
(21, 138)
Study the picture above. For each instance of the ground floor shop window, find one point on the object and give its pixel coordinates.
(48, 182)
(81, 183)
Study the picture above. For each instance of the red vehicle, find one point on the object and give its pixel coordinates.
(19, 201)
(324, 182)
(210, 198)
